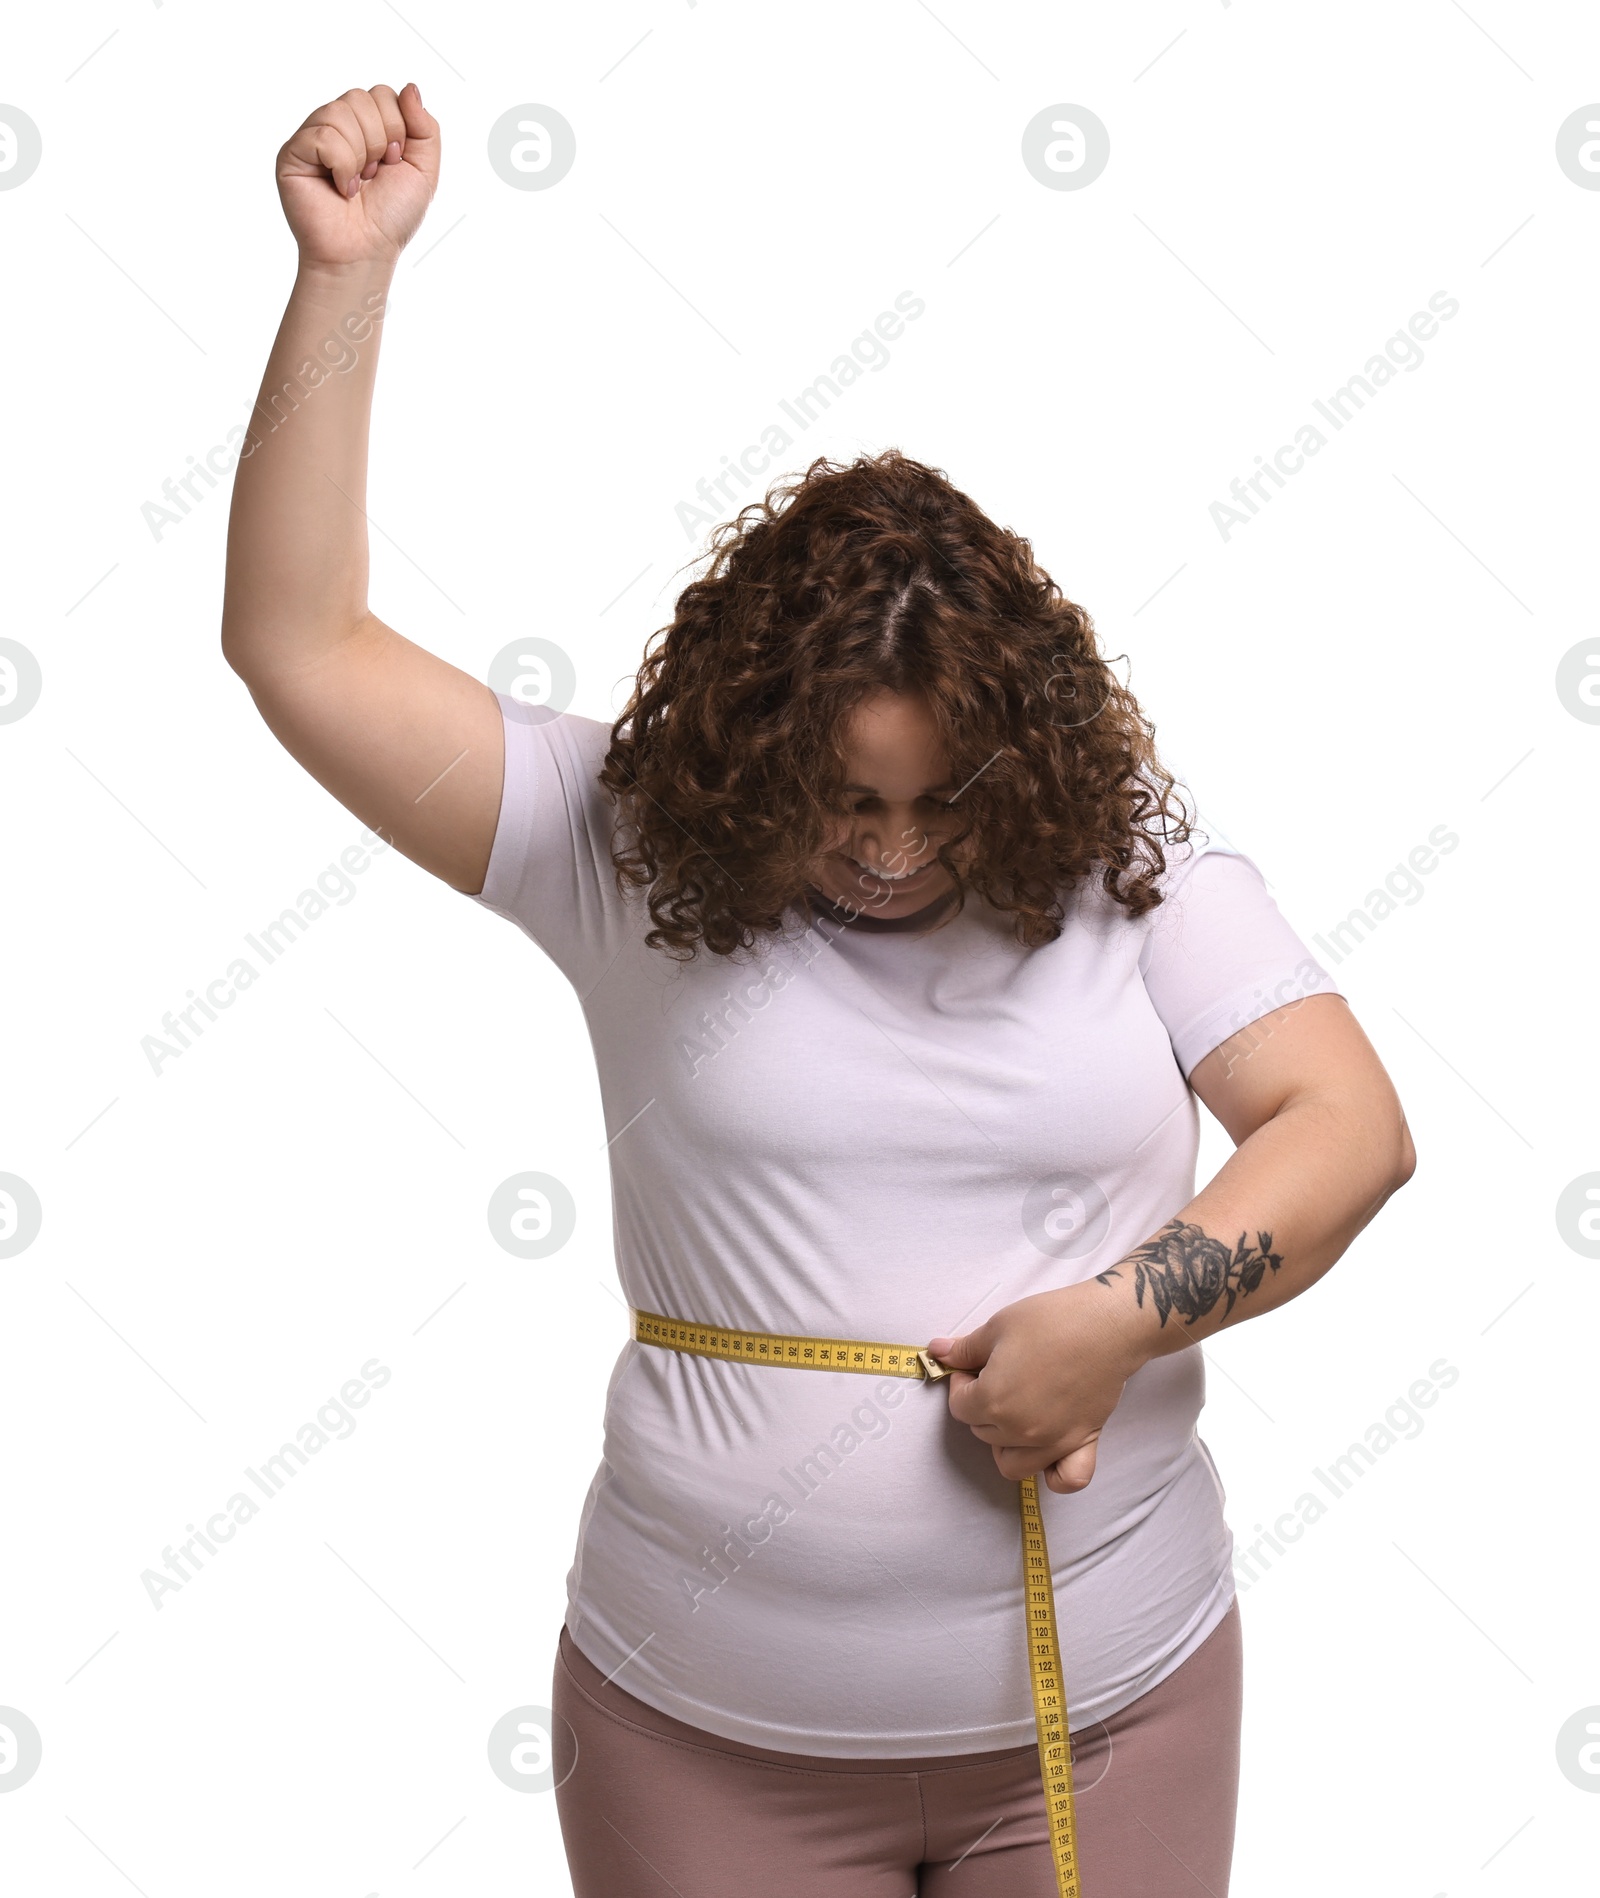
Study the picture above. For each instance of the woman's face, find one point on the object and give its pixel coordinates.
(896, 812)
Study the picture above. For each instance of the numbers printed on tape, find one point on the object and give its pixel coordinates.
(1049, 1707)
(766, 1347)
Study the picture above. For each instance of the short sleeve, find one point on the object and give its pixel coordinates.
(1219, 954)
(550, 867)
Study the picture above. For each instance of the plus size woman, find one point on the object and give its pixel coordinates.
(906, 968)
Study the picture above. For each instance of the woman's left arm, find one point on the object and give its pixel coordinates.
(1320, 1143)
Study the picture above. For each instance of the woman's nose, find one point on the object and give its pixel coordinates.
(885, 843)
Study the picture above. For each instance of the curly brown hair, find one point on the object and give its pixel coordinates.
(727, 765)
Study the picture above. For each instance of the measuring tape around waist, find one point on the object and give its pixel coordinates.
(1044, 1646)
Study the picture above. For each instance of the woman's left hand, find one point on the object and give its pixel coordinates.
(1038, 1380)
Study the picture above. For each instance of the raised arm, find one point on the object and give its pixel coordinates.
(411, 744)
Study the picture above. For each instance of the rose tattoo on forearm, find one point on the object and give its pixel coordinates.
(1188, 1272)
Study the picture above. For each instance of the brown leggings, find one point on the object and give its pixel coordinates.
(649, 1805)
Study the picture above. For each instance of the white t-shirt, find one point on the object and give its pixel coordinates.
(877, 1134)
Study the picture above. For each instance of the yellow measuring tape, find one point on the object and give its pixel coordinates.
(1044, 1646)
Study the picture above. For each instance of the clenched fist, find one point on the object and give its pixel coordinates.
(357, 177)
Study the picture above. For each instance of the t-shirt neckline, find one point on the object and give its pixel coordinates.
(915, 923)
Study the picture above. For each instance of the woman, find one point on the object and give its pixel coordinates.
(903, 974)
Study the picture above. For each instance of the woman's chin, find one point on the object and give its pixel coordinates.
(886, 898)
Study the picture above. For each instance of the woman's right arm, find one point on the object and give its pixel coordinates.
(409, 743)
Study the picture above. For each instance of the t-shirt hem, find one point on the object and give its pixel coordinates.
(1282, 988)
(1206, 1624)
(720, 1724)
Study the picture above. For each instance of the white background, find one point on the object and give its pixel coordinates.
(226, 1242)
